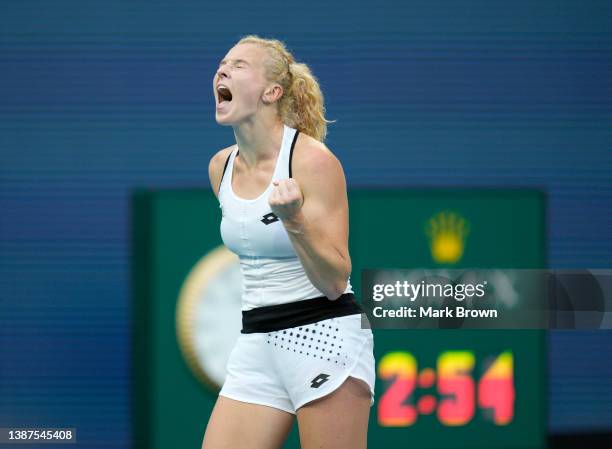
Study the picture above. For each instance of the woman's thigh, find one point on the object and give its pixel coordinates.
(241, 425)
(338, 420)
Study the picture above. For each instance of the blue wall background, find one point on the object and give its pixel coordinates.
(97, 98)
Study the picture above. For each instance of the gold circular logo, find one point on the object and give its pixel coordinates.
(208, 315)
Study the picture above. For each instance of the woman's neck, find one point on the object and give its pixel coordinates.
(259, 140)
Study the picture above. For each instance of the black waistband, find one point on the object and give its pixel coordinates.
(284, 316)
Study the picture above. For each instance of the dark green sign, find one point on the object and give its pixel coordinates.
(435, 388)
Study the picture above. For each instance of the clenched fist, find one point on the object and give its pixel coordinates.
(286, 198)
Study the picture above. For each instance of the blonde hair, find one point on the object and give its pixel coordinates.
(302, 105)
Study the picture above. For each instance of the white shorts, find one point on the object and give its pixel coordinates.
(288, 368)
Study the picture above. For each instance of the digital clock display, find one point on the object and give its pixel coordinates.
(450, 391)
(474, 389)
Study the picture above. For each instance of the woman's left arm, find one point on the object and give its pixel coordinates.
(313, 207)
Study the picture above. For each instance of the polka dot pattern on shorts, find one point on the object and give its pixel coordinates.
(321, 340)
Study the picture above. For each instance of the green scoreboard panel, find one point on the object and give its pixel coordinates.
(435, 388)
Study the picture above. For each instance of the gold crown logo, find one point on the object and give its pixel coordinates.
(447, 232)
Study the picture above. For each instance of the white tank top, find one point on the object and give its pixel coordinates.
(271, 270)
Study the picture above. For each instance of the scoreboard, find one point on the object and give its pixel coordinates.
(453, 388)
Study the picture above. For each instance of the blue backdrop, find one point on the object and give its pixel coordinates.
(97, 98)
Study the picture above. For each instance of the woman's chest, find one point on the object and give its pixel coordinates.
(252, 229)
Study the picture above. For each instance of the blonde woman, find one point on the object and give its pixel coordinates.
(302, 352)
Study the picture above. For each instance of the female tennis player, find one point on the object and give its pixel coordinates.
(302, 351)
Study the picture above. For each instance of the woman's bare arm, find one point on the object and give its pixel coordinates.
(313, 207)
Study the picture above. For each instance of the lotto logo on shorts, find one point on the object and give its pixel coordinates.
(319, 380)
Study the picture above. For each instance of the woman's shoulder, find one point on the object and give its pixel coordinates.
(313, 158)
(216, 167)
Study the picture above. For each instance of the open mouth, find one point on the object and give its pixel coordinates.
(224, 94)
